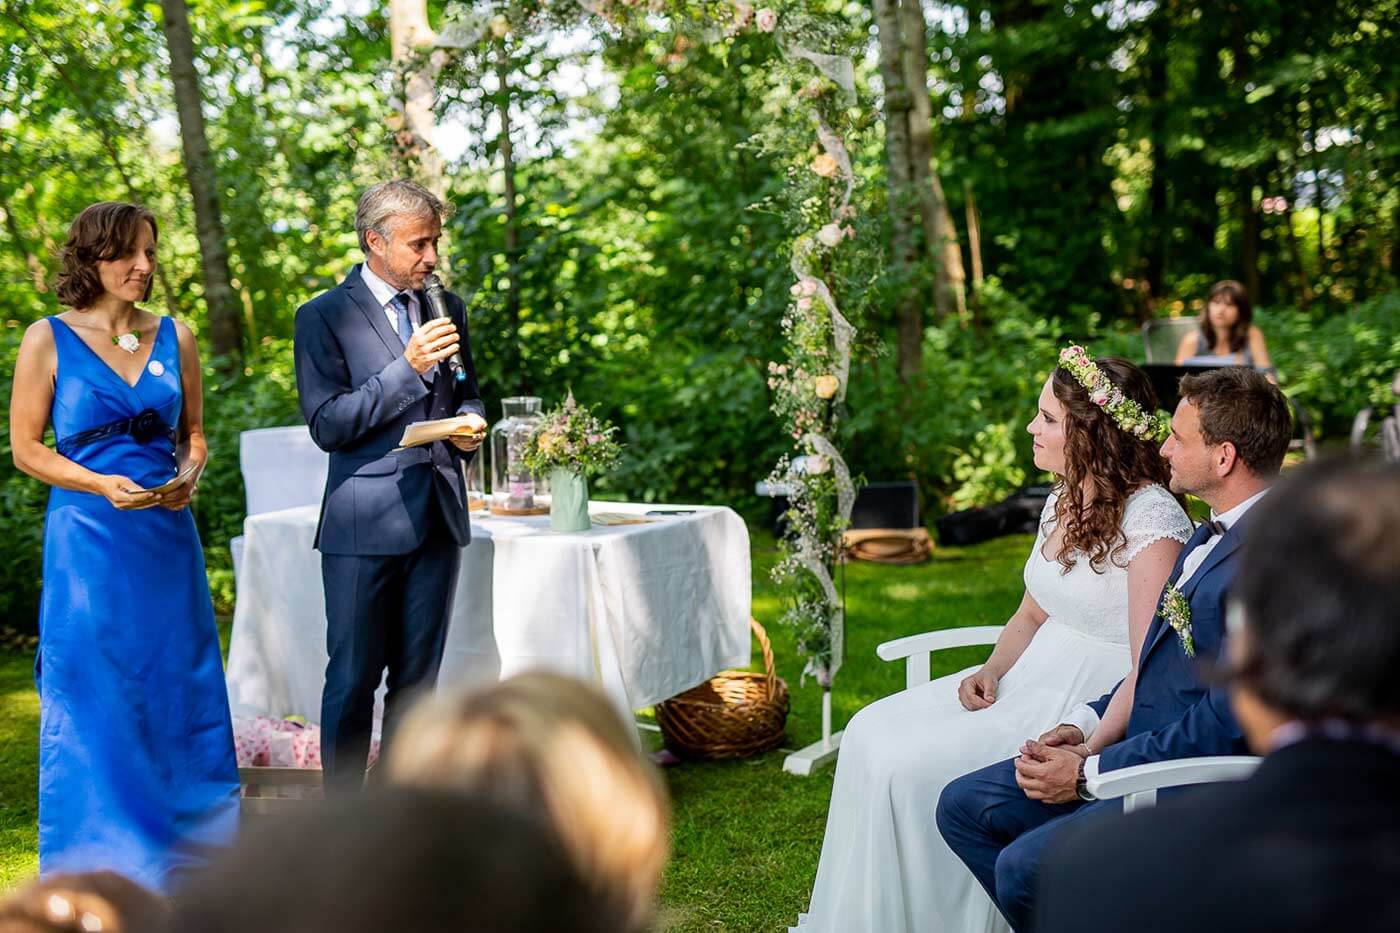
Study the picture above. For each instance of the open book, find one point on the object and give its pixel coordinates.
(425, 432)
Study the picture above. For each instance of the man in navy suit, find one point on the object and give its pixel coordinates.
(369, 362)
(1229, 435)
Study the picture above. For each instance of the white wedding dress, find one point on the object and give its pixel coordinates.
(884, 867)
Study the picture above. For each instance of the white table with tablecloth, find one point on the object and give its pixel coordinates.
(645, 611)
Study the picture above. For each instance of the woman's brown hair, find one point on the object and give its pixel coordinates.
(1115, 462)
(103, 232)
(1234, 293)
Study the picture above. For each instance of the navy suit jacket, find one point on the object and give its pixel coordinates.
(358, 393)
(1174, 714)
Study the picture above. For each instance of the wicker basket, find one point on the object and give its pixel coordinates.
(732, 715)
(888, 545)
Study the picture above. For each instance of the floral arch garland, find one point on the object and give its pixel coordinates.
(809, 386)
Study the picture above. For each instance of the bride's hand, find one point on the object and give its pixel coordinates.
(1063, 734)
(978, 691)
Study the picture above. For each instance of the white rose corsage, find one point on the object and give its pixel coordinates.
(129, 342)
(1176, 612)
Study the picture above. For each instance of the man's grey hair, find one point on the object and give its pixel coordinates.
(388, 199)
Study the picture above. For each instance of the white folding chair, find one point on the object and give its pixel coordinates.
(1138, 785)
(916, 649)
(282, 468)
(1161, 336)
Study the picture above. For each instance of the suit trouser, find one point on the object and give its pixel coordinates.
(1002, 835)
(381, 611)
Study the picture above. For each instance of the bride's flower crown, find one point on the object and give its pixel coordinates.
(1128, 414)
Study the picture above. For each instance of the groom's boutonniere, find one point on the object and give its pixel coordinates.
(1176, 612)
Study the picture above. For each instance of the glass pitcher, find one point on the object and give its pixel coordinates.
(514, 489)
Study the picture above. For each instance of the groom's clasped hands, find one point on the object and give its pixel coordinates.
(1048, 768)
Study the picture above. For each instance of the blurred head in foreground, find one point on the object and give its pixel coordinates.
(402, 859)
(552, 748)
(1315, 635)
(96, 901)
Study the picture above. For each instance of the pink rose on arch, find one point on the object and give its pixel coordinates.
(804, 304)
(807, 287)
(830, 235)
(767, 19)
(743, 14)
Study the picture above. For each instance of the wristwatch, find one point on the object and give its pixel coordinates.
(1081, 785)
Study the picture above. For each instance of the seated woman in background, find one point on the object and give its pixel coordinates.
(1226, 337)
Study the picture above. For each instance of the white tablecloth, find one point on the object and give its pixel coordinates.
(645, 611)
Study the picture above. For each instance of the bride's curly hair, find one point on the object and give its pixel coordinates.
(1115, 462)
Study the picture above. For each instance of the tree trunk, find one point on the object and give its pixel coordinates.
(1158, 215)
(1249, 211)
(974, 237)
(512, 361)
(224, 325)
(1249, 230)
(940, 234)
(1316, 161)
(903, 201)
(417, 65)
(1289, 170)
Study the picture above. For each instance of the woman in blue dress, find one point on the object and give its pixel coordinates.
(136, 759)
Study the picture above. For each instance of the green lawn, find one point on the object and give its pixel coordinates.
(747, 836)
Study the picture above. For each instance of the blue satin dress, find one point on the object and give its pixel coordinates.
(136, 759)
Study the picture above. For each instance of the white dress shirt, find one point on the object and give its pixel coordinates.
(384, 293)
(1084, 715)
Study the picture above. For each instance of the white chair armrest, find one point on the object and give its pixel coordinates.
(917, 648)
(1138, 785)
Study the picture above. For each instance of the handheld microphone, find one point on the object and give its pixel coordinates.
(437, 307)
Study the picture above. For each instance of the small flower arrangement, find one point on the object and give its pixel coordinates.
(571, 437)
(1176, 612)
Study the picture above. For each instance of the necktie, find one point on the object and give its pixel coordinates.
(1216, 528)
(400, 304)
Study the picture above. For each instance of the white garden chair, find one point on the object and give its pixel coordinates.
(1137, 785)
(282, 469)
(916, 649)
(1161, 336)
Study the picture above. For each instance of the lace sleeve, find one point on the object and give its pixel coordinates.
(1153, 514)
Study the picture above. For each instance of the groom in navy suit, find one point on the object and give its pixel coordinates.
(369, 362)
(1229, 435)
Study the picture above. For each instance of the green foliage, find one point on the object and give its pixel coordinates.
(990, 468)
(1337, 364)
(22, 504)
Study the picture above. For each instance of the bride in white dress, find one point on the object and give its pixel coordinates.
(1109, 536)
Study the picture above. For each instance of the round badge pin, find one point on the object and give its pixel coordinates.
(156, 368)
